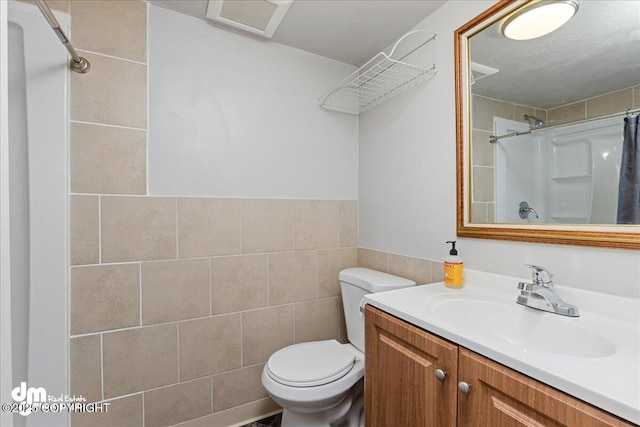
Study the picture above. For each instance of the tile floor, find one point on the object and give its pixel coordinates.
(272, 421)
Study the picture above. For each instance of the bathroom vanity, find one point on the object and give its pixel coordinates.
(473, 357)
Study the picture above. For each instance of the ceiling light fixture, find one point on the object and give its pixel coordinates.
(539, 18)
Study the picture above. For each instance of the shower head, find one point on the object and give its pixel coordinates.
(534, 122)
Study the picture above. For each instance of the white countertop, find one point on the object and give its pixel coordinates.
(610, 381)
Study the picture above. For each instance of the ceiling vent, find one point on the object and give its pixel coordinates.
(261, 17)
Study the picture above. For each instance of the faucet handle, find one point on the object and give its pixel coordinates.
(539, 276)
(524, 286)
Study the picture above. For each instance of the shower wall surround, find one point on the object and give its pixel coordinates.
(483, 156)
(177, 302)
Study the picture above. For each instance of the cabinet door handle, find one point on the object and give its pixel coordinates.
(441, 375)
(464, 388)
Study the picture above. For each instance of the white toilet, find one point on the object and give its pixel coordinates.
(320, 383)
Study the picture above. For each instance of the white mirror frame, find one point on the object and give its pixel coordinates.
(611, 236)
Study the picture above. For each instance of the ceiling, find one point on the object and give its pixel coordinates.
(350, 31)
(596, 52)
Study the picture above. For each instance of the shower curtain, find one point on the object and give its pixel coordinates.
(629, 186)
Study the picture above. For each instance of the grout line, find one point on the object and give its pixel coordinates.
(251, 310)
(177, 233)
(242, 209)
(586, 112)
(111, 399)
(148, 104)
(178, 348)
(609, 93)
(115, 263)
(211, 387)
(101, 367)
(210, 288)
(137, 261)
(129, 328)
(111, 56)
(294, 322)
(120, 195)
(143, 399)
(293, 214)
(339, 224)
(430, 271)
(140, 290)
(178, 383)
(241, 342)
(99, 229)
(132, 328)
(83, 122)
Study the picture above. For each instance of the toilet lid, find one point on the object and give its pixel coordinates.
(310, 364)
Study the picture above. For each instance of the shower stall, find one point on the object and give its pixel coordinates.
(34, 207)
(568, 174)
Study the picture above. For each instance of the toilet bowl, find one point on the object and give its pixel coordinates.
(321, 393)
(320, 383)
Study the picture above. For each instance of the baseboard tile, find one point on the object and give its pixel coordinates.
(238, 416)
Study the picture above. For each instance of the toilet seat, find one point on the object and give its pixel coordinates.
(310, 364)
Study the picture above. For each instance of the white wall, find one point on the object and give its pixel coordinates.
(407, 191)
(236, 116)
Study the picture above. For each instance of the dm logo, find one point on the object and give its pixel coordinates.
(29, 396)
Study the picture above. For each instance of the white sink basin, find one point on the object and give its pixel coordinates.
(524, 327)
(593, 357)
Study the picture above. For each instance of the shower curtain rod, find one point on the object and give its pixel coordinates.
(493, 138)
(77, 63)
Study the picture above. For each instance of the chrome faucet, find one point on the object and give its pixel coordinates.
(540, 294)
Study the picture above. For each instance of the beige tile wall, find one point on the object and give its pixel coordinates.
(609, 103)
(145, 319)
(420, 270)
(483, 154)
(177, 303)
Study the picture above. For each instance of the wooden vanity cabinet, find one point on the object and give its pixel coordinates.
(401, 388)
(500, 396)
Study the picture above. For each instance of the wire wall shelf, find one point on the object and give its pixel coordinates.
(384, 76)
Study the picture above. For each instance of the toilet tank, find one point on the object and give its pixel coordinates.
(355, 283)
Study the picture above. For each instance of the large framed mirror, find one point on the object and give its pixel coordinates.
(543, 124)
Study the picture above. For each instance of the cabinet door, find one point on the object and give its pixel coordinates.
(501, 397)
(401, 387)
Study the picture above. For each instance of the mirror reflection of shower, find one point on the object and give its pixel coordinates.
(569, 173)
(524, 210)
(534, 122)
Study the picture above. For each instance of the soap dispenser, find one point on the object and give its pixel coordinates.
(453, 268)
